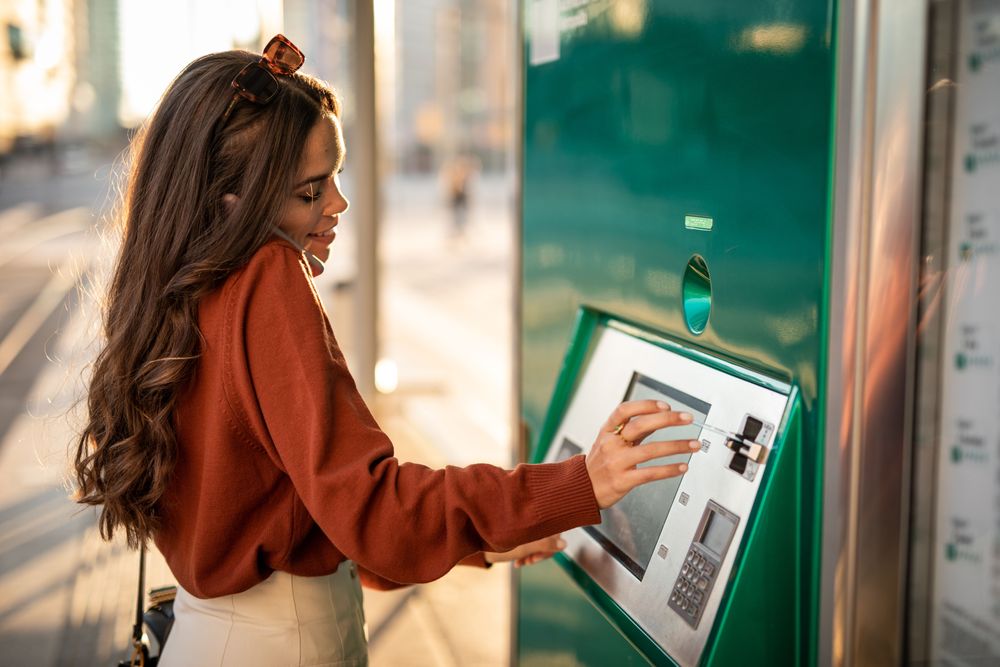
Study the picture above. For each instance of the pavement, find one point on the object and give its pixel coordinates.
(66, 596)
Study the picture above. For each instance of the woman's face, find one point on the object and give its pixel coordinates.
(314, 207)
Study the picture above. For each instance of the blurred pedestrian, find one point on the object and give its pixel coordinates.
(223, 422)
(458, 176)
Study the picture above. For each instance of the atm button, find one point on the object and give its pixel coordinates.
(685, 569)
(690, 557)
(702, 583)
(709, 569)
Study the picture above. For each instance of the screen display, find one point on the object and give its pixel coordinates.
(718, 531)
(630, 529)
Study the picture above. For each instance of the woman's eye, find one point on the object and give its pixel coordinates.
(310, 198)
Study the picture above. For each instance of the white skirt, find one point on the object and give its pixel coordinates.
(284, 620)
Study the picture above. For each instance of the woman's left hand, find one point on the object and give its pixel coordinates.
(530, 553)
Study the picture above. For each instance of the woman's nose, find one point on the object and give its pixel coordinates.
(338, 205)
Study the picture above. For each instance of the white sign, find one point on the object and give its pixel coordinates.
(966, 598)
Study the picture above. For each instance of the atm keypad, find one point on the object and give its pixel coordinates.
(693, 585)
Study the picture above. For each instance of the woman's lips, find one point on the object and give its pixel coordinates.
(326, 236)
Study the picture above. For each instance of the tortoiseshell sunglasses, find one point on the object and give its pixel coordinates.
(256, 82)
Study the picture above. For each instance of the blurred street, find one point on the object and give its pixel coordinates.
(66, 597)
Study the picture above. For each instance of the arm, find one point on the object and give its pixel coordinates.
(404, 523)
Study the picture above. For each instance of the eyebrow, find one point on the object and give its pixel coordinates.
(322, 177)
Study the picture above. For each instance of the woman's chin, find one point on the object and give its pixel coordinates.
(320, 250)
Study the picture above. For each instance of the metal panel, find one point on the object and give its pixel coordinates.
(873, 290)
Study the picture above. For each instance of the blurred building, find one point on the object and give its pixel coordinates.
(38, 69)
(452, 92)
(158, 39)
(322, 29)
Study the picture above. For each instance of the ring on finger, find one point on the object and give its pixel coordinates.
(618, 432)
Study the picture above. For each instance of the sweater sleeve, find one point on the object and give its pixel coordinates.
(404, 523)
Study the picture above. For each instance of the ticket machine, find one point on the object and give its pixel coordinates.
(676, 207)
(783, 217)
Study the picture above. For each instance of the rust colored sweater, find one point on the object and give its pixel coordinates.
(282, 467)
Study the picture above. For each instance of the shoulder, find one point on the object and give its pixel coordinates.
(275, 283)
(276, 258)
(275, 267)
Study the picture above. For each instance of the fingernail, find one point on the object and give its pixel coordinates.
(561, 544)
(683, 467)
(661, 405)
(695, 444)
(686, 417)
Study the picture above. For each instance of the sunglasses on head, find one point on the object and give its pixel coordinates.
(256, 81)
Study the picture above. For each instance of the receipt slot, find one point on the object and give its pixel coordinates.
(667, 562)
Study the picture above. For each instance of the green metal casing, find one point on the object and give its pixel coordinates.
(654, 112)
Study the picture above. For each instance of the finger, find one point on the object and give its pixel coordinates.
(641, 427)
(537, 558)
(629, 409)
(550, 543)
(658, 450)
(656, 473)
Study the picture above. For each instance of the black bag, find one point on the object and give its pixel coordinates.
(157, 621)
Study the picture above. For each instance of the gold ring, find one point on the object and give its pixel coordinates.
(618, 429)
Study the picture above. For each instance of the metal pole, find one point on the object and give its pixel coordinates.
(365, 207)
(518, 433)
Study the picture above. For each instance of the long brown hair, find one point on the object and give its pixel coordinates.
(179, 242)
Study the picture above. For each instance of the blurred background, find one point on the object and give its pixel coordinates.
(418, 287)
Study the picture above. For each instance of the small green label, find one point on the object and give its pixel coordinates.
(698, 222)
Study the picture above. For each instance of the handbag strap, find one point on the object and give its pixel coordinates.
(138, 655)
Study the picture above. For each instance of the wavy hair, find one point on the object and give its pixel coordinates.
(179, 242)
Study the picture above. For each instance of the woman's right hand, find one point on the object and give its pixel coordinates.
(612, 461)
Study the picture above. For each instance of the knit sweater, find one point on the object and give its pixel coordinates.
(281, 466)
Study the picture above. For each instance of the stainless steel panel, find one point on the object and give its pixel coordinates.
(873, 293)
(847, 263)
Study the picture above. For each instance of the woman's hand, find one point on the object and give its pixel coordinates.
(612, 461)
(530, 553)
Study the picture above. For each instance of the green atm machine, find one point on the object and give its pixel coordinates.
(782, 216)
(730, 206)
(676, 186)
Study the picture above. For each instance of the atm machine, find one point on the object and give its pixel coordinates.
(782, 217)
(659, 562)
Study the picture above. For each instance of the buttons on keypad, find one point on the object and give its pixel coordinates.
(693, 585)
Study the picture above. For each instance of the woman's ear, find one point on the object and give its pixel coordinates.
(229, 200)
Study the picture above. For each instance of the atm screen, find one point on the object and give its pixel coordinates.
(717, 532)
(630, 529)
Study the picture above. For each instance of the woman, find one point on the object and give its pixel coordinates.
(223, 422)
